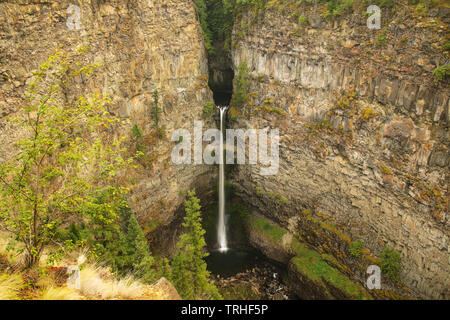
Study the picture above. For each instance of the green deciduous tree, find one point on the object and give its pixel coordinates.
(62, 159)
(189, 273)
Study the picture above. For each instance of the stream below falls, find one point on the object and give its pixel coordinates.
(245, 274)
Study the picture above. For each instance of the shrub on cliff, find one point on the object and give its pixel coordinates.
(202, 17)
(155, 110)
(381, 3)
(136, 133)
(390, 263)
(240, 93)
(441, 73)
(338, 7)
(208, 109)
(302, 20)
(355, 248)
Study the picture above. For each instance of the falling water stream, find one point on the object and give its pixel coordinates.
(256, 273)
(221, 227)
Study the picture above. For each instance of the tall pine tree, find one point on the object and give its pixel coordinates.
(189, 273)
(130, 253)
(156, 110)
(140, 257)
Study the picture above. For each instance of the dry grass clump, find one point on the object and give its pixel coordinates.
(50, 283)
(10, 286)
(59, 293)
(98, 283)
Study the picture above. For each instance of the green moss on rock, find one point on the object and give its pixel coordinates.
(311, 265)
(274, 232)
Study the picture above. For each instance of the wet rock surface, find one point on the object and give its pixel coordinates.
(263, 282)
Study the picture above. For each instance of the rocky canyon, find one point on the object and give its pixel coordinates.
(362, 114)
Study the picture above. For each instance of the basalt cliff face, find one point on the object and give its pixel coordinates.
(364, 138)
(143, 46)
(363, 127)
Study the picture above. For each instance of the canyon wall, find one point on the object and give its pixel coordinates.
(142, 45)
(363, 127)
(364, 136)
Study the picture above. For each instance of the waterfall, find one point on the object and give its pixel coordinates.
(221, 227)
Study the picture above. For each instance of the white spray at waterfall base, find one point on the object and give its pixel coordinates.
(221, 227)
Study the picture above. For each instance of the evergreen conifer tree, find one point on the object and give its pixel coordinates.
(189, 273)
(156, 110)
(129, 252)
(140, 257)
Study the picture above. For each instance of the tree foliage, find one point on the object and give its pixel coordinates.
(208, 109)
(119, 242)
(136, 133)
(155, 109)
(441, 73)
(189, 273)
(130, 253)
(355, 248)
(62, 160)
(390, 263)
(240, 93)
(202, 16)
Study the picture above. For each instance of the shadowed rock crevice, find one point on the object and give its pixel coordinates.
(221, 74)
